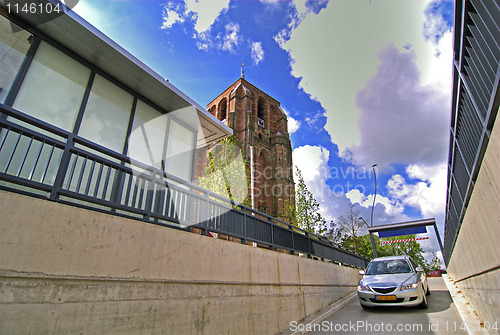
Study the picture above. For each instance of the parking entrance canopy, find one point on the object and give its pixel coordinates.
(404, 228)
(402, 231)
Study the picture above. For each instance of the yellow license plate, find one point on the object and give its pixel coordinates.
(386, 297)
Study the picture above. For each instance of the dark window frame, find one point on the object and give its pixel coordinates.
(40, 36)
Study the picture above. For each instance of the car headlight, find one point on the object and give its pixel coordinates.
(408, 287)
(364, 288)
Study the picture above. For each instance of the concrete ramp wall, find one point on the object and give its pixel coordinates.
(66, 270)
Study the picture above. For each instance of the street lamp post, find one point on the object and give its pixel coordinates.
(375, 195)
(374, 249)
(373, 207)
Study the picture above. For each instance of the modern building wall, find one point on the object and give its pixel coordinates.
(51, 84)
(473, 200)
(261, 129)
(81, 116)
(475, 262)
(67, 270)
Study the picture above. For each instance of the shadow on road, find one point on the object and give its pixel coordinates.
(440, 317)
(438, 301)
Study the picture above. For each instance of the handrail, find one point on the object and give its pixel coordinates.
(74, 170)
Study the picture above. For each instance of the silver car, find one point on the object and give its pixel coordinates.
(393, 281)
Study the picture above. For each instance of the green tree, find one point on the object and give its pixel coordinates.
(290, 211)
(351, 227)
(226, 173)
(307, 215)
(352, 231)
(410, 248)
(435, 263)
(365, 246)
(334, 234)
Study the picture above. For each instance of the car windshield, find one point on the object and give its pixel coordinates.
(383, 267)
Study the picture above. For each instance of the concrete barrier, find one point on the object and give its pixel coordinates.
(67, 270)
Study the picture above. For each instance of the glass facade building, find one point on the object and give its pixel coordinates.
(71, 131)
(57, 89)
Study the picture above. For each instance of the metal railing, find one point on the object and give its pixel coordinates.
(41, 160)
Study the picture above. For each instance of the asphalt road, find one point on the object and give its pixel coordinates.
(440, 318)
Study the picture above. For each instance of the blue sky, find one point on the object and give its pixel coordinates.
(363, 81)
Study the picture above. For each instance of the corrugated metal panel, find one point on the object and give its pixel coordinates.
(475, 96)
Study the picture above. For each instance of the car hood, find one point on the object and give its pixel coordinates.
(389, 279)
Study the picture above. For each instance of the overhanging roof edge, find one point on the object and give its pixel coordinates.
(417, 223)
(158, 87)
(134, 59)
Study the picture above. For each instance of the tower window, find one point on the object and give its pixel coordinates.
(261, 112)
(213, 111)
(222, 110)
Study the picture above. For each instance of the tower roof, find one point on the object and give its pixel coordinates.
(249, 88)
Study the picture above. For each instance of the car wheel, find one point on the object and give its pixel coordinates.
(365, 307)
(428, 292)
(424, 303)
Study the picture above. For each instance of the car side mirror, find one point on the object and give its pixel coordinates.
(419, 269)
(362, 272)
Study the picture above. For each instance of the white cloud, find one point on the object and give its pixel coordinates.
(437, 73)
(282, 36)
(439, 20)
(257, 52)
(203, 14)
(392, 208)
(230, 40)
(203, 40)
(173, 13)
(386, 90)
(334, 67)
(400, 121)
(426, 190)
(293, 125)
(297, 13)
(301, 7)
(312, 161)
(270, 2)
(317, 120)
(356, 196)
(334, 198)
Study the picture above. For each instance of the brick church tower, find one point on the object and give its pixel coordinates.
(261, 130)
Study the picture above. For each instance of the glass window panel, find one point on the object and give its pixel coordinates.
(107, 114)
(53, 88)
(181, 144)
(147, 140)
(14, 45)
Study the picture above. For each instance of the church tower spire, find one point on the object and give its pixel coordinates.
(260, 127)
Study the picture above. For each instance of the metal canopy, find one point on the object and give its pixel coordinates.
(402, 227)
(407, 224)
